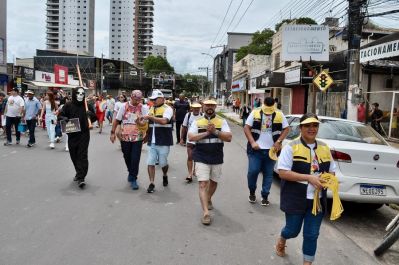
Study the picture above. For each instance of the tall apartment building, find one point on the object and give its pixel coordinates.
(3, 44)
(131, 23)
(70, 26)
(159, 50)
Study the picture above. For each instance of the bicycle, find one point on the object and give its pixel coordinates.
(390, 237)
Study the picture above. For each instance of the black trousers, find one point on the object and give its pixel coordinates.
(178, 126)
(31, 127)
(78, 144)
(132, 153)
(12, 121)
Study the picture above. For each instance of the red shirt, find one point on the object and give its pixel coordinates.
(361, 113)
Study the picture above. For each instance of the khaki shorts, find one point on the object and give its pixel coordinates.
(206, 172)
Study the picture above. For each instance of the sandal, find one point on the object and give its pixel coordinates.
(189, 180)
(280, 247)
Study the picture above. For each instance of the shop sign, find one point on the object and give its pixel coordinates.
(44, 77)
(384, 50)
(293, 76)
(61, 74)
(238, 85)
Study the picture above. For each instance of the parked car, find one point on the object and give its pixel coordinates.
(367, 166)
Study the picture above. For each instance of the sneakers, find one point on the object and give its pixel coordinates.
(52, 145)
(134, 185)
(7, 143)
(29, 145)
(81, 184)
(17, 142)
(265, 202)
(165, 181)
(66, 149)
(252, 198)
(57, 139)
(151, 188)
(206, 219)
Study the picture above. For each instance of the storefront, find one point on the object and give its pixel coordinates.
(239, 90)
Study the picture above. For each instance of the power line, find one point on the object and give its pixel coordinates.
(239, 21)
(224, 18)
(231, 22)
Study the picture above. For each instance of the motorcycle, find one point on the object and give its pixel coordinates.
(390, 237)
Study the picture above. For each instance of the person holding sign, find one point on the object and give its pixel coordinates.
(74, 115)
(133, 132)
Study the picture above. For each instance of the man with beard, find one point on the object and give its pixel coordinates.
(78, 142)
(209, 133)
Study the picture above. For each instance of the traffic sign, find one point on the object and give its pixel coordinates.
(323, 80)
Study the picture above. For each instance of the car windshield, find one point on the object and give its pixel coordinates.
(341, 131)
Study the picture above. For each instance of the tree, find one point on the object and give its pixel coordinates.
(301, 20)
(261, 44)
(156, 65)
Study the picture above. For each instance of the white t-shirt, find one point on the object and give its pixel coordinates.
(168, 113)
(14, 106)
(187, 123)
(194, 128)
(265, 140)
(121, 112)
(285, 163)
(110, 104)
(118, 106)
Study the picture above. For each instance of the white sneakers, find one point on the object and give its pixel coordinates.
(52, 145)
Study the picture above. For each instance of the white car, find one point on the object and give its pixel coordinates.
(367, 166)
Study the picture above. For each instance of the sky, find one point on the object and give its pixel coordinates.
(187, 27)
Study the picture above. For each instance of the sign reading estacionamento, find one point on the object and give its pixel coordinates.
(305, 42)
(380, 51)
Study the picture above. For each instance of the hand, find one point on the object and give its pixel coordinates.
(147, 117)
(65, 119)
(277, 146)
(255, 146)
(315, 181)
(112, 137)
(181, 142)
(211, 128)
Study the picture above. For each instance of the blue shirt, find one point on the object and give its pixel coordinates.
(32, 108)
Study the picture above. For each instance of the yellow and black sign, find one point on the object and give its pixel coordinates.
(323, 80)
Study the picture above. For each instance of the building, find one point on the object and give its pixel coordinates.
(159, 50)
(131, 30)
(3, 45)
(70, 26)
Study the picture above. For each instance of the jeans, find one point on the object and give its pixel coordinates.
(10, 121)
(132, 153)
(31, 127)
(58, 132)
(259, 161)
(50, 125)
(311, 228)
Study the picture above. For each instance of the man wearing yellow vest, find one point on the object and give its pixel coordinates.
(208, 133)
(159, 137)
(265, 128)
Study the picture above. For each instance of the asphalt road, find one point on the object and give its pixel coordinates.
(46, 219)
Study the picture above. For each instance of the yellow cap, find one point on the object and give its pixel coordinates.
(210, 102)
(268, 110)
(310, 120)
(196, 105)
(273, 154)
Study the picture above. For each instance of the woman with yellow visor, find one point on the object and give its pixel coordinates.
(300, 165)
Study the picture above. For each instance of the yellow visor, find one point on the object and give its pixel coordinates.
(210, 102)
(196, 105)
(268, 110)
(310, 120)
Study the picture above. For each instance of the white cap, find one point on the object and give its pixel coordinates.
(156, 94)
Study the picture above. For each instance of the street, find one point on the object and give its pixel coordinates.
(46, 219)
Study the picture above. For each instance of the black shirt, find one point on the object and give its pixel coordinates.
(377, 114)
(181, 107)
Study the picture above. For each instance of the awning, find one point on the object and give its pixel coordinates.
(47, 84)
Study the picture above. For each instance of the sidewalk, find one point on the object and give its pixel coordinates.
(229, 114)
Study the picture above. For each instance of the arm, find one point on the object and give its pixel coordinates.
(293, 176)
(115, 124)
(224, 135)
(162, 121)
(248, 134)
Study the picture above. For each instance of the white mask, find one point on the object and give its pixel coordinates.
(80, 95)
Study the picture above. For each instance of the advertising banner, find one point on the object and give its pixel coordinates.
(384, 50)
(44, 77)
(61, 74)
(305, 43)
(238, 85)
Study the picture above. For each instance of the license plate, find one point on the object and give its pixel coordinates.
(375, 190)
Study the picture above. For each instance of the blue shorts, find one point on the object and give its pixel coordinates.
(158, 153)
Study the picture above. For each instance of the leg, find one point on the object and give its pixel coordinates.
(211, 189)
(135, 156)
(204, 197)
(311, 228)
(151, 160)
(163, 152)
(293, 224)
(178, 125)
(189, 162)
(17, 133)
(127, 155)
(9, 123)
(267, 172)
(82, 162)
(31, 127)
(151, 173)
(254, 167)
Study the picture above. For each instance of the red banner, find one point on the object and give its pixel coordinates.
(61, 74)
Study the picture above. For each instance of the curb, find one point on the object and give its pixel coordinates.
(219, 113)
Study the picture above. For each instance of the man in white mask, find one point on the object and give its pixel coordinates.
(78, 142)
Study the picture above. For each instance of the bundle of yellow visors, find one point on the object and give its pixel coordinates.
(328, 181)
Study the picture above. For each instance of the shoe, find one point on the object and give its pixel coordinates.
(52, 146)
(252, 198)
(66, 149)
(206, 219)
(265, 202)
(134, 185)
(280, 247)
(29, 145)
(17, 142)
(75, 178)
(151, 188)
(189, 179)
(81, 184)
(165, 181)
(7, 143)
(210, 205)
(57, 139)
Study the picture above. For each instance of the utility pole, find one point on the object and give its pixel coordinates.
(207, 77)
(102, 74)
(355, 24)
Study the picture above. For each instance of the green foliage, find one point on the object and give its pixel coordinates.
(156, 65)
(261, 44)
(301, 20)
(191, 85)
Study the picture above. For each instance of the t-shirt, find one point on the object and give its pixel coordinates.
(377, 114)
(361, 113)
(14, 106)
(187, 122)
(181, 107)
(265, 140)
(118, 105)
(285, 162)
(168, 113)
(130, 121)
(110, 104)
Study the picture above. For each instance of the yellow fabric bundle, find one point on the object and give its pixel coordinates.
(329, 181)
(273, 154)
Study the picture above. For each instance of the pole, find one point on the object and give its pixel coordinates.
(353, 68)
(102, 73)
(207, 79)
